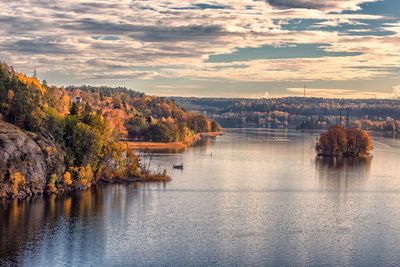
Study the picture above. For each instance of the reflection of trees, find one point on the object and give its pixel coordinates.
(74, 225)
(14, 226)
(342, 174)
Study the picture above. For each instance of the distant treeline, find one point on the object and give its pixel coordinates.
(373, 108)
(298, 112)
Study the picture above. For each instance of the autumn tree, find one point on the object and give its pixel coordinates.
(158, 133)
(215, 127)
(199, 123)
(339, 142)
(359, 142)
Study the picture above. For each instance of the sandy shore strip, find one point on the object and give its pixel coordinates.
(157, 145)
(172, 145)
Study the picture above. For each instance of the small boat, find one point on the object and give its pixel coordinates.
(176, 166)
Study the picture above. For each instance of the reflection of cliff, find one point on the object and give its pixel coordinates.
(342, 174)
(73, 226)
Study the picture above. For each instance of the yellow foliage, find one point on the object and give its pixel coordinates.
(17, 179)
(85, 175)
(66, 100)
(51, 150)
(31, 82)
(67, 178)
(52, 183)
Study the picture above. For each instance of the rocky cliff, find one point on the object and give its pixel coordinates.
(27, 161)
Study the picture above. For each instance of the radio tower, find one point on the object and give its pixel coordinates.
(304, 91)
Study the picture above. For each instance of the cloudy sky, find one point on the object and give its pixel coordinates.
(232, 48)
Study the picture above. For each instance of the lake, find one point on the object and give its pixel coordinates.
(251, 197)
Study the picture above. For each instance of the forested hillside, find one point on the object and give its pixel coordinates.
(83, 127)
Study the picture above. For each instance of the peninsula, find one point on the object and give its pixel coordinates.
(55, 140)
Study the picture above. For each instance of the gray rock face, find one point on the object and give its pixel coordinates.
(29, 154)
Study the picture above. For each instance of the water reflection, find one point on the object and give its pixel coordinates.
(343, 174)
(261, 199)
(36, 222)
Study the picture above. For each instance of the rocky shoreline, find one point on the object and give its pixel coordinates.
(29, 162)
(26, 160)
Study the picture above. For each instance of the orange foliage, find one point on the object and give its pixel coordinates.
(31, 82)
(67, 178)
(359, 141)
(116, 119)
(337, 141)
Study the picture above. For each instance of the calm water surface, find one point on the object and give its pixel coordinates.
(260, 199)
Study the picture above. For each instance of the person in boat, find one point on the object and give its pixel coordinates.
(176, 166)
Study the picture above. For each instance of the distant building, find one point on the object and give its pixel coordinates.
(77, 99)
(150, 119)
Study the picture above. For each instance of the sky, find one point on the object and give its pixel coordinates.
(214, 48)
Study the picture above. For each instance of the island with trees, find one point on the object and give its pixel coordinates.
(55, 139)
(340, 142)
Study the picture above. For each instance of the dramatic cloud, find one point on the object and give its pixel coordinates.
(152, 43)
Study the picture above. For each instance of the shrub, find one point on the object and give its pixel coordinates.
(85, 175)
(132, 164)
(52, 183)
(67, 178)
(17, 179)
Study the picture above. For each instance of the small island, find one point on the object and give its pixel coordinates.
(340, 142)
